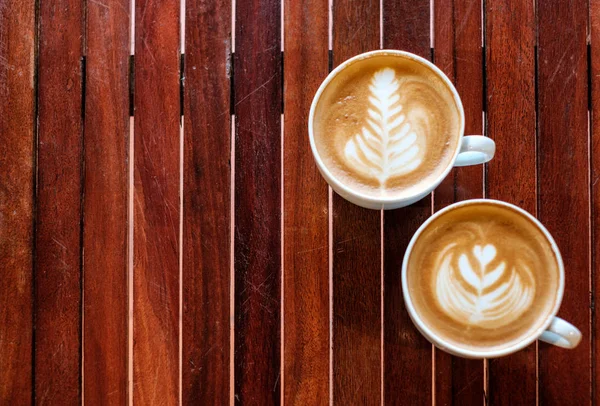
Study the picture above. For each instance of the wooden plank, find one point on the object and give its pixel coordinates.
(356, 245)
(58, 226)
(206, 204)
(510, 66)
(448, 369)
(563, 143)
(105, 310)
(458, 53)
(407, 353)
(306, 253)
(17, 121)
(156, 204)
(257, 242)
(594, 74)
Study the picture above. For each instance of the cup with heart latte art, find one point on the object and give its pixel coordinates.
(483, 278)
(386, 127)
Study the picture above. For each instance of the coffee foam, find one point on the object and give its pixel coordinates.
(483, 276)
(387, 126)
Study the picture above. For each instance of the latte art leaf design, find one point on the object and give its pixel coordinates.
(477, 288)
(387, 145)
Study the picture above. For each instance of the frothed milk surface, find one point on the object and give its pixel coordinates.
(483, 276)
(387, 126)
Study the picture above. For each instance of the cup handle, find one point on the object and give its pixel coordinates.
(562, 334)
(475, 150)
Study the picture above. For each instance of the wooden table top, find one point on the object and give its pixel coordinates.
(165, 236)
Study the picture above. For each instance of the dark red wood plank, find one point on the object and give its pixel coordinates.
(407, 362)
(356, 304)
(563, 175)
(356, 245)
(306, 248)
(17, 47)
(458, 53)
(447, 368)
(105, 309)
(594, 73)
(58, 226)
(156, 204)
(206, 204)
(511, 175)
(257, 202)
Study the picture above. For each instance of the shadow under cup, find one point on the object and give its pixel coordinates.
(482, 278)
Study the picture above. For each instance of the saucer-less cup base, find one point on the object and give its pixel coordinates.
(554, 330)
(472, 150)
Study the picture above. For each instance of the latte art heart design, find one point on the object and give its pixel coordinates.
(387, 145)
(477, 287)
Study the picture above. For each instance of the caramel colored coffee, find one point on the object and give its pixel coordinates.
(387, 125)
(483, 277)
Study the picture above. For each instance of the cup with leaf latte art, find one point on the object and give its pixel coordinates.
(483, 278)
(387, 126)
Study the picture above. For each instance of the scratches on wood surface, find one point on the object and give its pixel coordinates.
(257, 197)
(156, 211)
(255, 324)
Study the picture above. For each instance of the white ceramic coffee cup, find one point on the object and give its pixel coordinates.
(471, 150)
(554, 330)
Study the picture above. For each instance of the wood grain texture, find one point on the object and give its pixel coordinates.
(356, 245)
(58, 224)
(406, 26)
(407, 362)
(156, 204)
(511, 175)
(206, 204)
(563, 143)
(594, 73)
(306, 247)
(105, 309)
(17, 124)
(257, 240)
(458, 53)
(457, 24)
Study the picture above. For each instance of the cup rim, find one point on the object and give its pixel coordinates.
(460, 351)
(339, 185)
